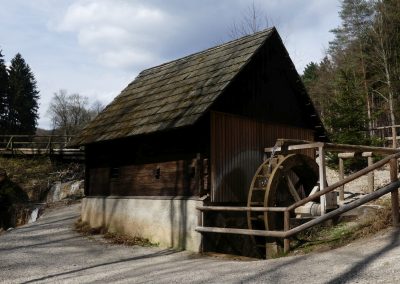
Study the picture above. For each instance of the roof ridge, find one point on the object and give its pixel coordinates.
(256, 34)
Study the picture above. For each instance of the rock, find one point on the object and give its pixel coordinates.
(71, 189)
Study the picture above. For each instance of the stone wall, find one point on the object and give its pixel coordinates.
(170, 222)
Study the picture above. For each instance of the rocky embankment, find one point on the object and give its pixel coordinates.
(24, 200)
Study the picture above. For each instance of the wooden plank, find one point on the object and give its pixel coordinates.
(346, 155)
(359, 148)
(292, 189)
(260, 233)
(294, 143)
(286, 234)
(344, 181)
(295, 147)
(240, 208)
(387, 127)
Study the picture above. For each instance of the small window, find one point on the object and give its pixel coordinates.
(114, 172)
(157, 173)
(192, 172)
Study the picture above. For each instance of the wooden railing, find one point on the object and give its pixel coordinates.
(288, 232)
(38, 145)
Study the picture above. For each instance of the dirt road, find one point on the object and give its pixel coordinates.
(48, 251)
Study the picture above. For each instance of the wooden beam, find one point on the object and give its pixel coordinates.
(286, 227)
(292, 189)
(390, 138)
(359, 148)
(261, 233)
(394, 193)
(347, 155)
(295, 147)
(372, 196)
(322, 177)
(370, 176)
(341, 177)
(386, 127)
(301, 144)
(279, 234)
(240, 209)
(344, 181)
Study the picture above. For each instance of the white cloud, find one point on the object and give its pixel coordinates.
(96, 47)
(118, 33)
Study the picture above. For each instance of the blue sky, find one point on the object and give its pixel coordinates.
(96, 47)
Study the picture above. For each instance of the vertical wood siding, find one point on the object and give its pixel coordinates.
(237, 145)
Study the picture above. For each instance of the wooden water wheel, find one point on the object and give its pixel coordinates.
(279, 182)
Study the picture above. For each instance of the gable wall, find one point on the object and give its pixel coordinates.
(260, 106)
(266, 89)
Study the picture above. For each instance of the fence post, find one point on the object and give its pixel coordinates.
(286, 227)
(395, 193)
(341, 177)
(394, 137)
(322, 177)
(12, 145)
(371, 177)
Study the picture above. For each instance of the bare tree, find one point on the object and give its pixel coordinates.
(95, 109)
(385, 49)
(69, 113)
(254, 19)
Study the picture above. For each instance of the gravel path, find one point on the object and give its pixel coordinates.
(48, 251)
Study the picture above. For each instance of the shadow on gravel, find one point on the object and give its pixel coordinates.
(272, 269)
(34, 226)
(157, 254)
(358, 267)
(44, 244)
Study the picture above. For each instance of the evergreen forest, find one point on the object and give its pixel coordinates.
(356, 86)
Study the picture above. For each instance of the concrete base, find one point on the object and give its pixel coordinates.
(169, 221)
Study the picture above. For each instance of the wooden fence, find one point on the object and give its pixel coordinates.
(392, 159)
(50, 145)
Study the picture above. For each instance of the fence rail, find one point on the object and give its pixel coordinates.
(52, 145)
(288, 232)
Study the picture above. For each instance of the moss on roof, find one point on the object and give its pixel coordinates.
(173, 94)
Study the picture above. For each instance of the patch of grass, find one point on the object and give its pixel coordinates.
(115, 238)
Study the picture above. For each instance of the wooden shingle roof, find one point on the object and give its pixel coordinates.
(173, 94)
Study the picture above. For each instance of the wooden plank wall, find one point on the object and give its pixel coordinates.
(173, 178)
(237, 145)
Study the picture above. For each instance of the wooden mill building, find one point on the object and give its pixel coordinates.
(190, 131)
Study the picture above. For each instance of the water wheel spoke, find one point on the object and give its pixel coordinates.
(292, 189)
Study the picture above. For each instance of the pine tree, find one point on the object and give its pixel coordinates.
(347, 115)
(23, 97)
(3, 94)
(310, 74)
(351, 40)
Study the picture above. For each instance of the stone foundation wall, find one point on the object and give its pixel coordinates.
(170, 222)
